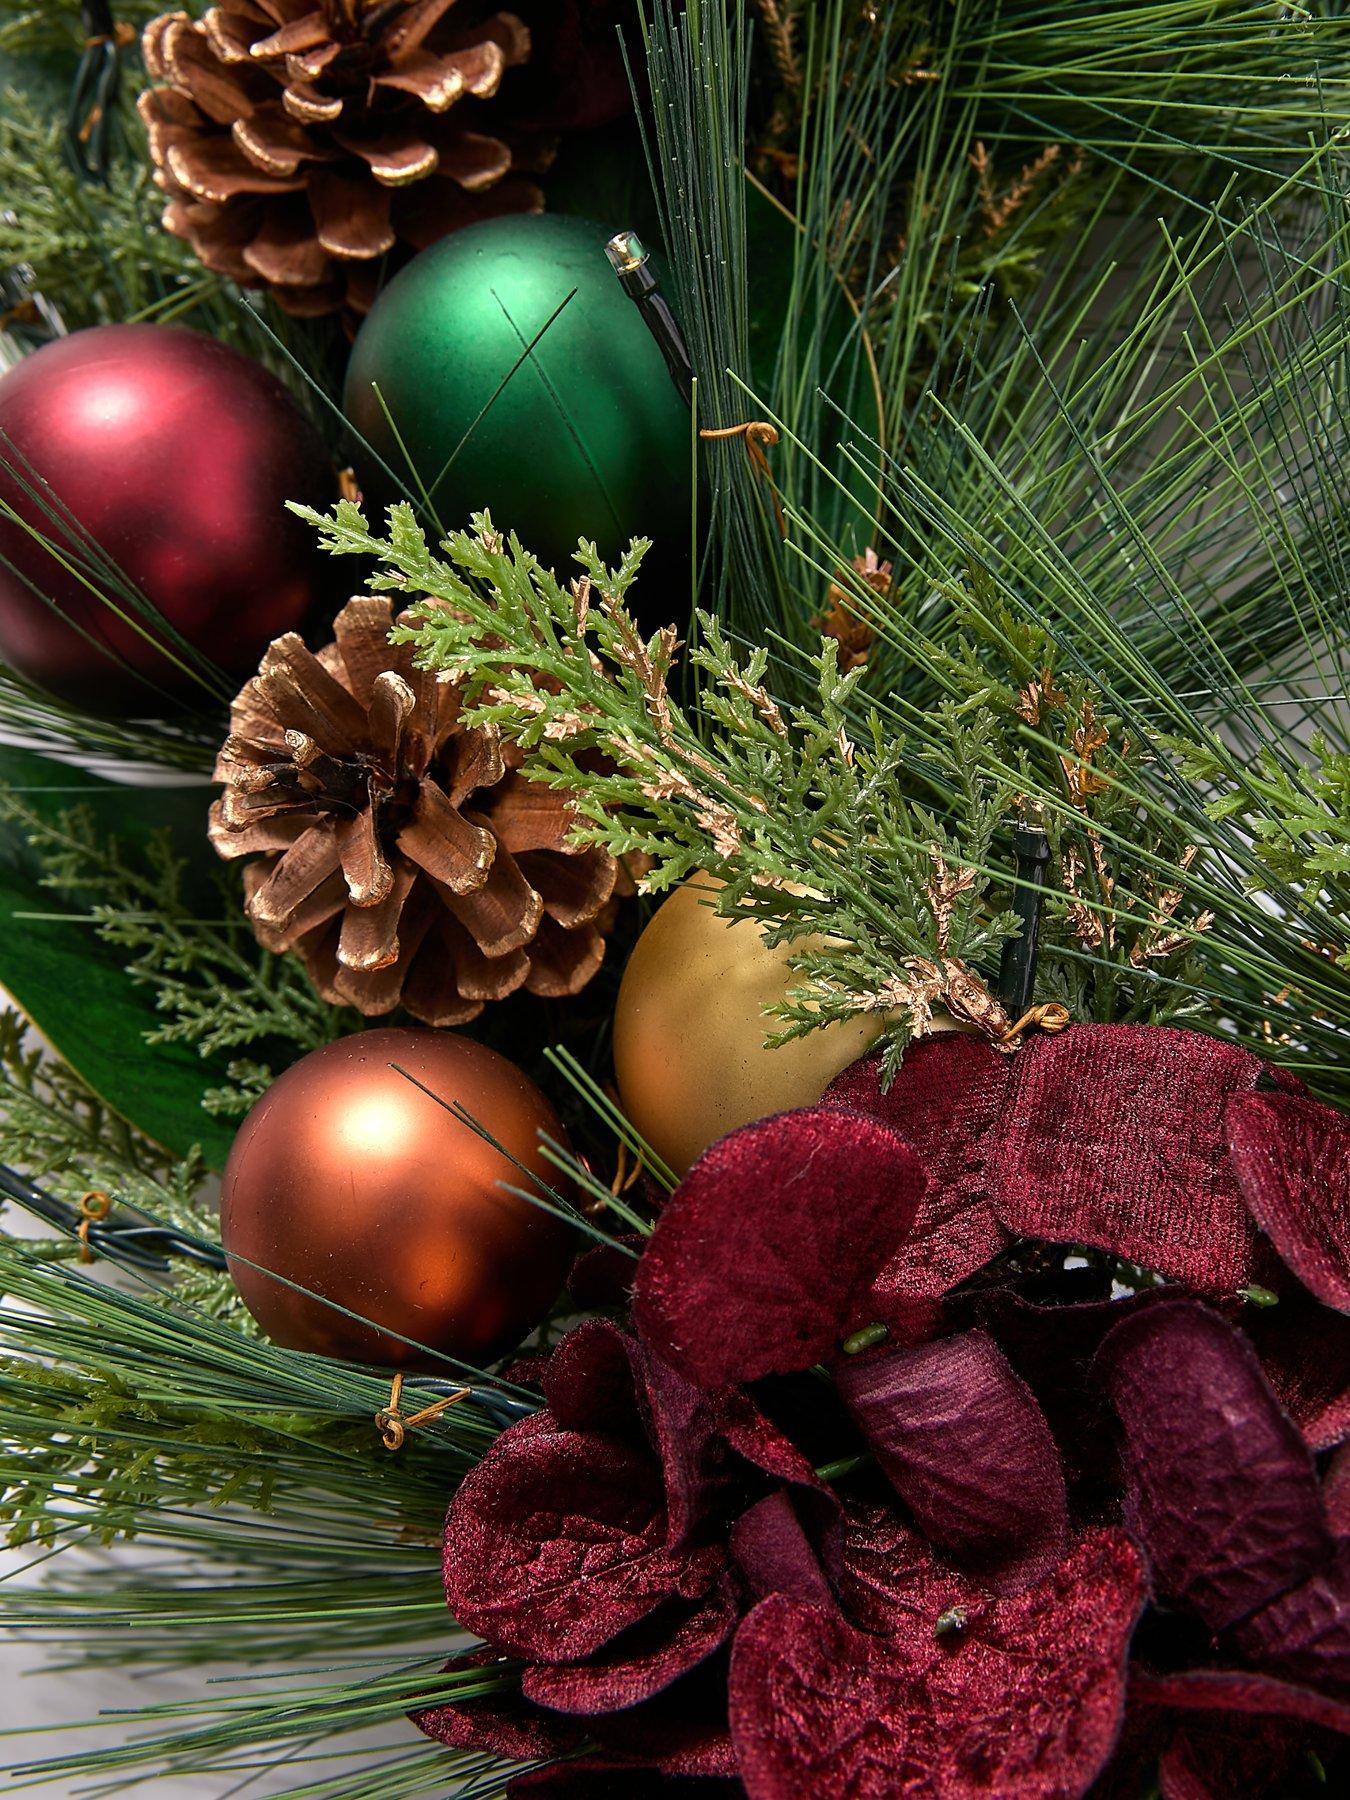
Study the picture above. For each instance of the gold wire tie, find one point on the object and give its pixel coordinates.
(394, 1426)
(94, 1206)
(123, 35)
(757, 434)
(1050, 1017)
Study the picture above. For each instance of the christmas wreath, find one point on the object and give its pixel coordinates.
(674, 844)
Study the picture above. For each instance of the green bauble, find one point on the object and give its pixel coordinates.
(587, 438)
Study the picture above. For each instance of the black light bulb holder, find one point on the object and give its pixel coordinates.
(1017, 971)
(631, 262)
(93, 95)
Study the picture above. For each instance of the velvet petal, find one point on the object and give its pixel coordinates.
(949, 1092)
(1022, 1700)
(965, 1445)
(1304, 1635)
(1292, 1159)
(1115, 1137)
(1218, 1759)
(762, 1255)
(557, 1541)
(774, 1553)
(1220, 1487)
(496, 1724)
(1240, 1692)
(641, 1663)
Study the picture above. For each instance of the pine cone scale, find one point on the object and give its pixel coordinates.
(313, 916)
(369, 939)
(477, 763)
(218, 172)
(482, 978)
(562, 962)
(438, 81)
(574, 889)
(526, 815)
(476, 162)
(363, 653)
(501, 916)
(352, 219)
(285, 250)
(310, 860)
(396, 157)
(305, 104)
(416, 25)
(276, 143)
(226, 34)
(392, 704)
(370, 880)
(444, 845)
(297, 688)
(309, 33)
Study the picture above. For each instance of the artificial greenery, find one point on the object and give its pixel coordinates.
(1046, 308)
(875, 868)
(134, 951)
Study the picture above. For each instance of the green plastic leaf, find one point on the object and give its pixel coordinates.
(72, 985)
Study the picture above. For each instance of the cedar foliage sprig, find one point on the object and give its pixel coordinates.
(1298, 818)
(216, 987)
(876, 868)
(96, 253)
(810, 829)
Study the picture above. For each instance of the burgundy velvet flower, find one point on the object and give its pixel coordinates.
(1023, 1462)
(1018, 1699)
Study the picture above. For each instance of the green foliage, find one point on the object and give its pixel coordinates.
(27, 29)
(1065, 339)
(287, 1535)
(940, 163)
(58, 1131)
(181, 989)
(216, 987)
(1299, 818)
(872, 864)
(1151, 484)
(96, 253)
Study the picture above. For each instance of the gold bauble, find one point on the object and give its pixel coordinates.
(690, 1025)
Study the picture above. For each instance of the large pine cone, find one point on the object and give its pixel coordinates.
(398, 852)
(300, 141)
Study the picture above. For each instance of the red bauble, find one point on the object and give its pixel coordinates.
(352, 1182)
(176, 456)
(576, 77)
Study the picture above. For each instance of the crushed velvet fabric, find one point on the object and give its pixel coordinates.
(906, 1481)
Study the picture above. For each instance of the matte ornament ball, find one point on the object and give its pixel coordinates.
(170, 456)
(690, 1025)
(350, 1181)
(578, 432)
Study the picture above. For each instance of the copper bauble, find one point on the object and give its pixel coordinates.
(350, 1181)
(172, 456)
(690, 1024)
